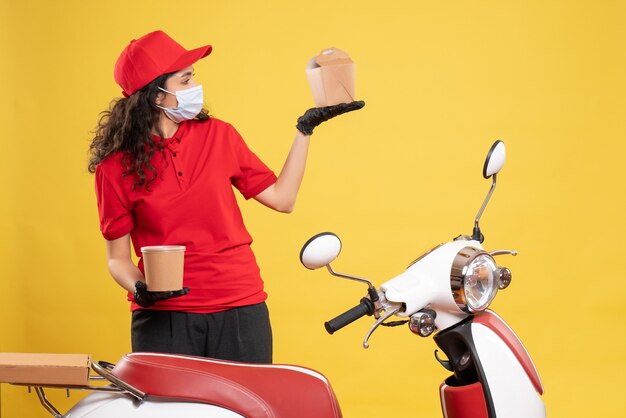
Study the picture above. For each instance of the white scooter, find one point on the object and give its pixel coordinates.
(448, 289)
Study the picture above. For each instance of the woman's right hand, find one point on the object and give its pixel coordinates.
(146, 298)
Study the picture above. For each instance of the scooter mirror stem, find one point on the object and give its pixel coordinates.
(346, 276)
(477, 235)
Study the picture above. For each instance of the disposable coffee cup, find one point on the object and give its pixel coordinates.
(163, 267)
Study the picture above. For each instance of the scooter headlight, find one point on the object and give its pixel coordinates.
(473, 279)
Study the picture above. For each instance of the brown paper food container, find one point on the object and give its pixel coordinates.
(331, 77)
(45, 369)
(163, 267)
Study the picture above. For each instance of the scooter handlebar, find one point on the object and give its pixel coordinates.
(366, 307)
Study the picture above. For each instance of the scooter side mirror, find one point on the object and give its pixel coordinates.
(495, 159)
(320, 250)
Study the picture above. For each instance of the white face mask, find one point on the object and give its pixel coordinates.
(190, 102)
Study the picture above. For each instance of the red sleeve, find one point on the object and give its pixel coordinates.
(116, 217)
(253, 176)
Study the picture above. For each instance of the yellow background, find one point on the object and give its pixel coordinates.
(442, 80)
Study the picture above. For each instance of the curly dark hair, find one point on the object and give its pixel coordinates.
(127, 126)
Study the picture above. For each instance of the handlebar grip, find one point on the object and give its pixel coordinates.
(366, 307)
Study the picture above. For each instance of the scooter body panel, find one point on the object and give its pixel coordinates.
(491, 320)
(107, 405)
(483, 350)
(512, 390)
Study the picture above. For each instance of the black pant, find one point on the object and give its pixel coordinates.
(239, 334)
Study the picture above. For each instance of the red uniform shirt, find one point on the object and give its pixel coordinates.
(192, 203)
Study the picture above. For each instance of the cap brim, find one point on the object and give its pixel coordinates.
(189, 58)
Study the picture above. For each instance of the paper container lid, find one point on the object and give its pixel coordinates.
(163, 248)
(332, 56)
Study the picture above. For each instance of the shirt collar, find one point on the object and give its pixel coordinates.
(176, 138)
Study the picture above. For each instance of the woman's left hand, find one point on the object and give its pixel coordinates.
(315, 116)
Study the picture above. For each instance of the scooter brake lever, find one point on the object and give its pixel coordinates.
(380, 320)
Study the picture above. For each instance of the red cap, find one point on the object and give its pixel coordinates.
(151, 56)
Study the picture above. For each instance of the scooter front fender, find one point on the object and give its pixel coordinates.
(487, 356)
(511, 375)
